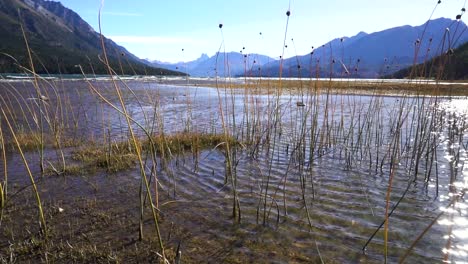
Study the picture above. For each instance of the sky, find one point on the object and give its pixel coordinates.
(181, 30)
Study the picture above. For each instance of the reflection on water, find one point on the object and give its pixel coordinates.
(456, 106)
(317, 171)
(455, 217)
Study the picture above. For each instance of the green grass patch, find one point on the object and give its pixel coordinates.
(121, 156)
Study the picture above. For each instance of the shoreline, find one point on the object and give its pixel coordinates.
(270, 85)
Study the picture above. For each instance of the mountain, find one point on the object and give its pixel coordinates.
(181, 65)
(238, 64)
(59, 39)
(186, 67)
(452, 65)
(376, 54)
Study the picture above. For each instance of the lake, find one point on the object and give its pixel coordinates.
(311, 177)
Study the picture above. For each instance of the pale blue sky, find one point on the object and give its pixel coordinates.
(159, 30)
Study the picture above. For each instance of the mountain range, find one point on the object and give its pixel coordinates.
(221, 64)
(376, 54)
(59, 40)
(361, 56)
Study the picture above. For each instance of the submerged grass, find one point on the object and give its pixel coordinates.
(28, 141)
(117, 159)
(183, 142)
(121, 155)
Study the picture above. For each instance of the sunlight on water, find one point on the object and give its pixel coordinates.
(453, 203)
(459, 106)
(347, 184)
(449, 237)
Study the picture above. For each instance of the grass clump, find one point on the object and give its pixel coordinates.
(31, 141)
(69, 170)
(67, 143)
(117, 158)
(184, 142)
(28, 141)
(121, 156)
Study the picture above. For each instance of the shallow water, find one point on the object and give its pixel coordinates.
(316, 176)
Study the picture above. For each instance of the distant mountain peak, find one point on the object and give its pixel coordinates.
(205, 65)
(204, 56)
(361, 34)
(441, 19)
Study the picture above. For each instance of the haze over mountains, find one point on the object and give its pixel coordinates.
(361, 56)
(221, 64)
(60, 40)
(376, 54)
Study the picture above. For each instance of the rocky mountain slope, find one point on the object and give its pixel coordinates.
(59, 40)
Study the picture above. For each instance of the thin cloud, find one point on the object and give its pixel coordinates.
(152, 39)
(124, 14)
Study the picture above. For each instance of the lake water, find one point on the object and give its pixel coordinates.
(313, 169)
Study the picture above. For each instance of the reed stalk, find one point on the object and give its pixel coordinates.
(230, 170)
(39, 97)
(4, 183)
(135, 143)
(42, 221)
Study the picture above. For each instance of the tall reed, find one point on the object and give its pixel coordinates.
(42, 221)
(39, 97)
(4, 183)
(230, 170)
(136, 145)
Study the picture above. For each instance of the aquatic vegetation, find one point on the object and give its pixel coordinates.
(233, 170)
(291, 165)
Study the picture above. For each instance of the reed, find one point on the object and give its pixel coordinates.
(40, 98)
(230, 172)
(136, 147)
(4, 183)
(41, 217)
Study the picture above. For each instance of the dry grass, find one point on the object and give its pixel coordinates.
(28, 141)
(117, 159)
(183, 142)
(381, 87)
(121, 155)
